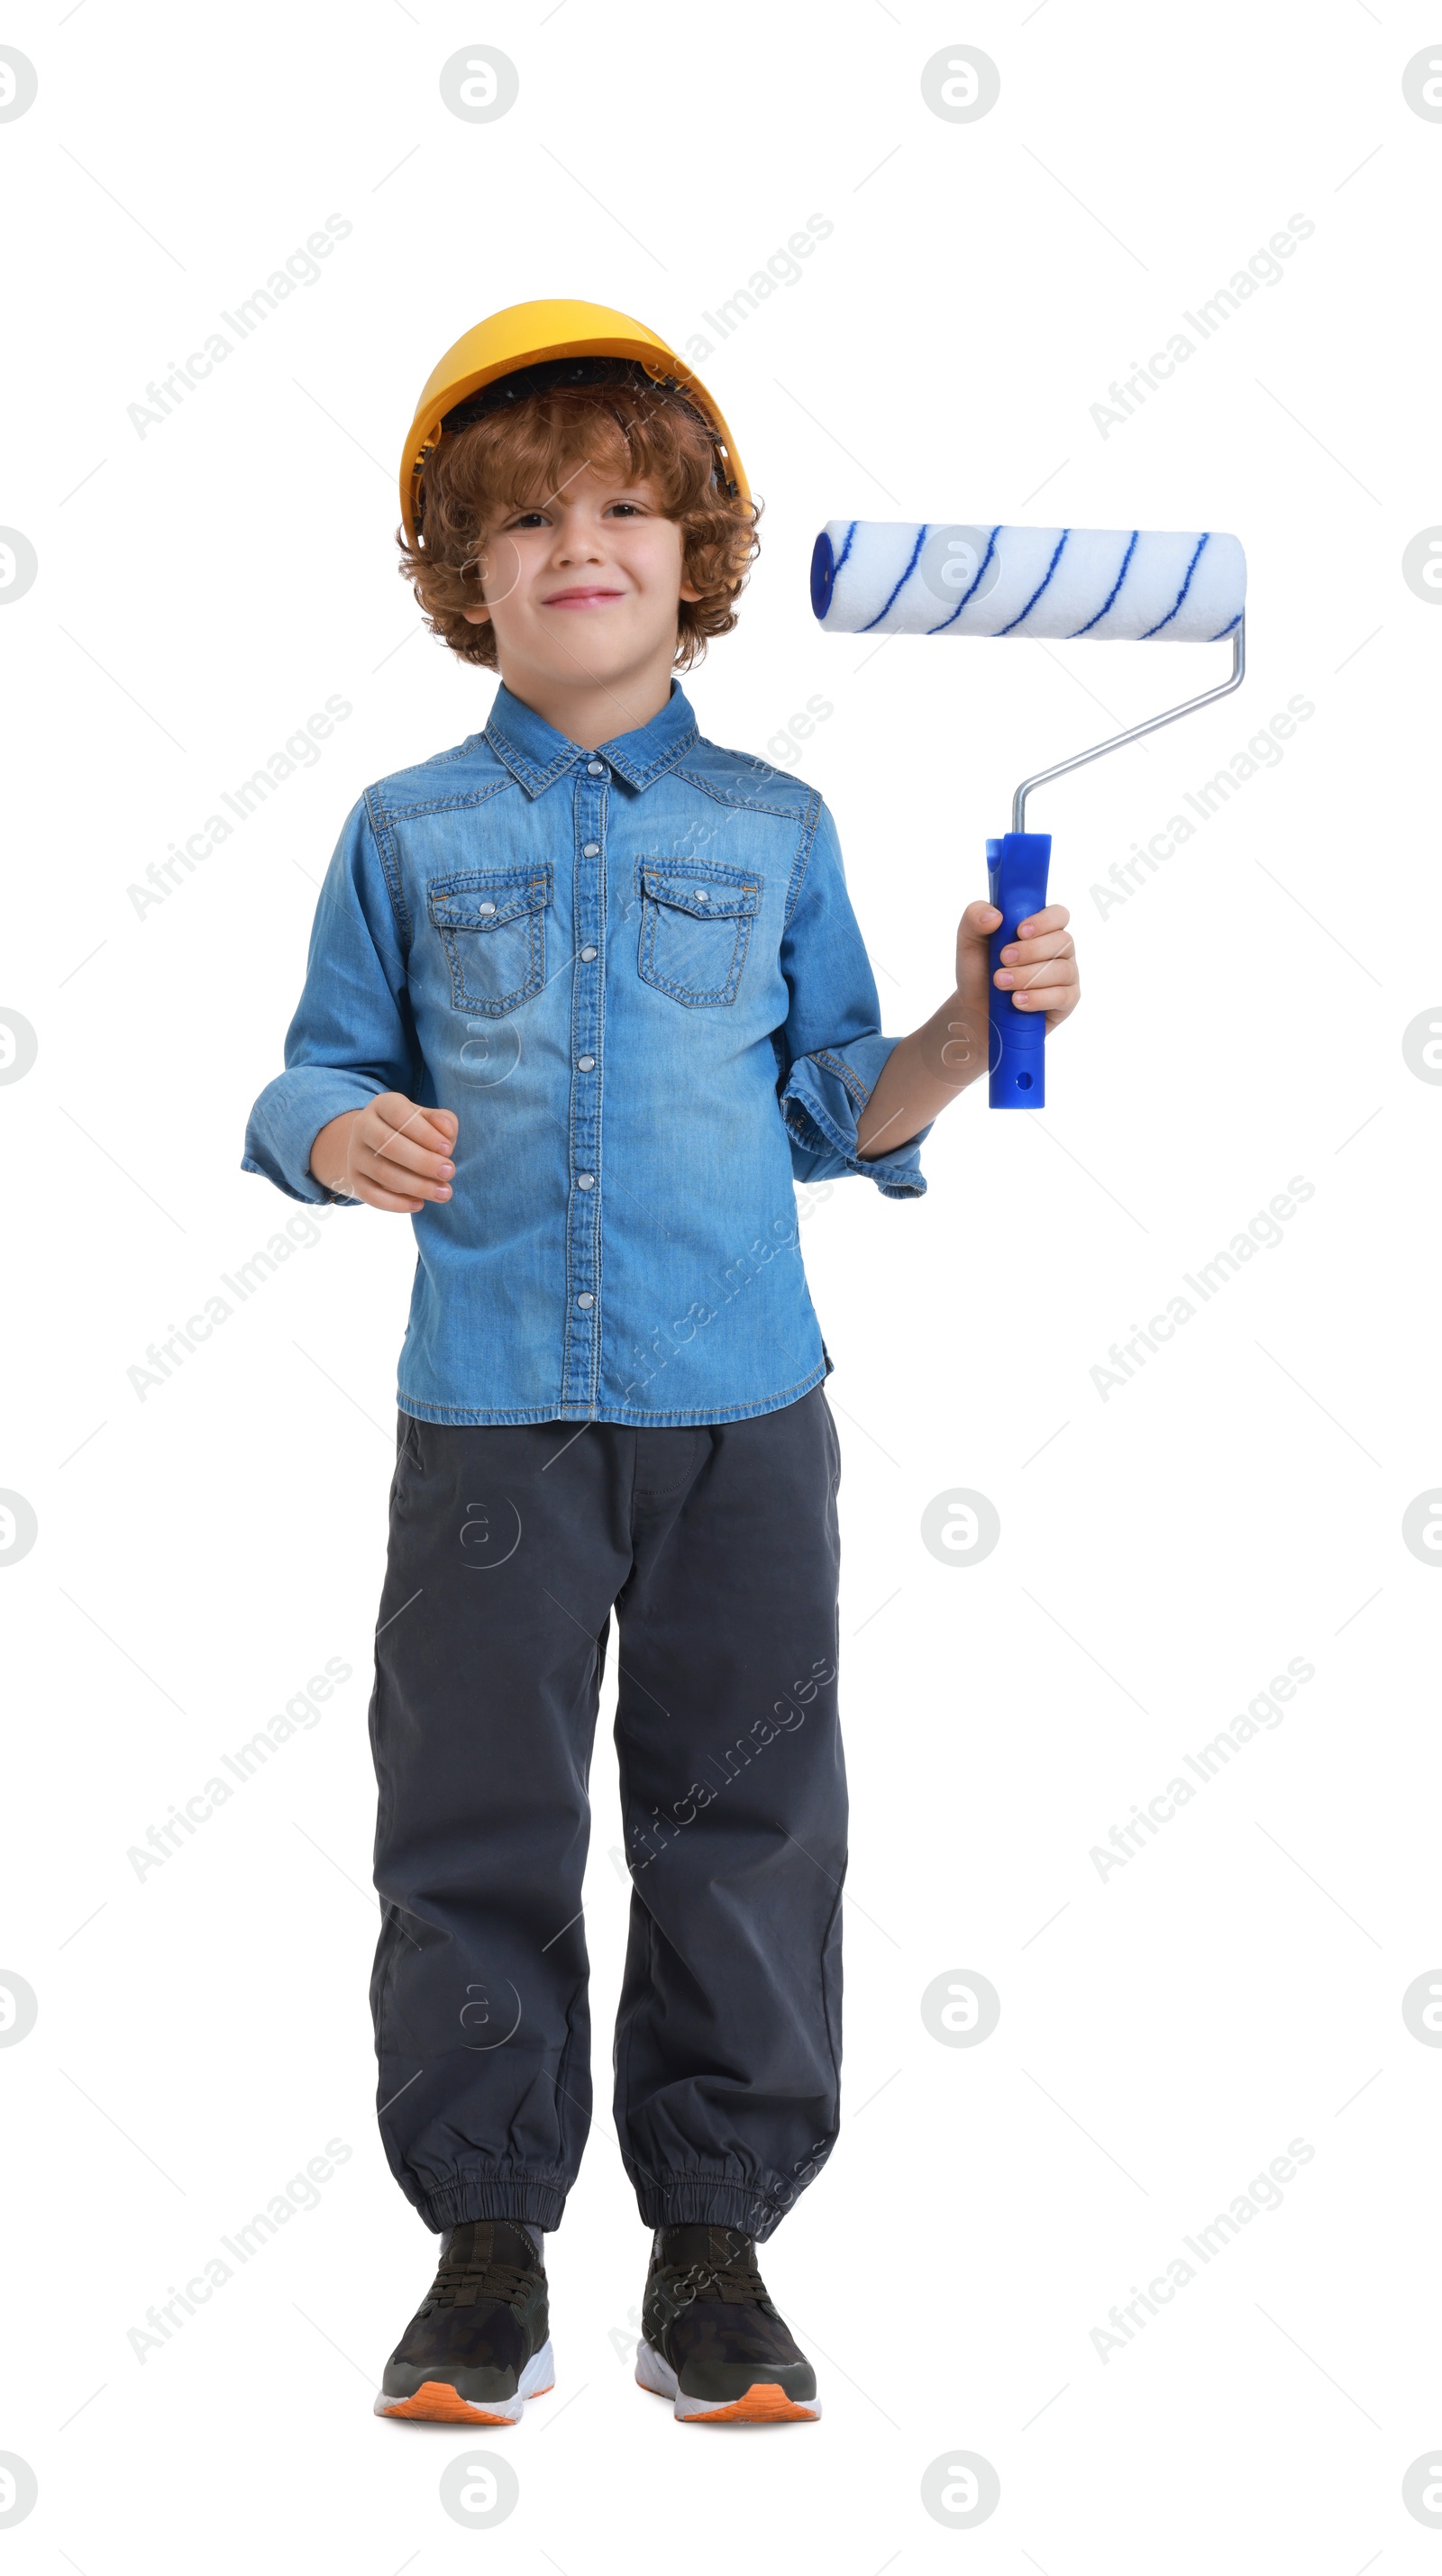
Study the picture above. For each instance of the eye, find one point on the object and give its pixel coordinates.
(527, 519)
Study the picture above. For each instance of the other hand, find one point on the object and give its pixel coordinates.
(391, 1154)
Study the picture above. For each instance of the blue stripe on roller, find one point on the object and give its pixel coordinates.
(1116, 586)
(1225, 630)
(1181, 595)
(901, 585)
(961, 603)
(1041, 585)
(846, 549)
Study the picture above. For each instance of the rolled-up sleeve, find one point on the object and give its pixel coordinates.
(831, 1049)
(350, 1038)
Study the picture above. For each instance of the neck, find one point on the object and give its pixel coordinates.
(588, 710)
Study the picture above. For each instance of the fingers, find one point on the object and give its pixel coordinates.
(1027, 962)
(403, 1153)
(362, 1188)
(1057, 1000)
(1046, 988)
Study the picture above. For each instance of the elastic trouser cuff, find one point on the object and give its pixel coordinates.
(537, 2199)
(687, 2200)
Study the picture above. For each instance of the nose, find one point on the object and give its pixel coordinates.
(577, 540)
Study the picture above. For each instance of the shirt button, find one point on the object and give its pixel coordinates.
(587, 954)
(585, 1180)
(585, 1298)
(587, 1063)
(700, 894)
(597, 768)
(486, 907)
(591, 850)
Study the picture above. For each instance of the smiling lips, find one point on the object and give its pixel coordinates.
(592, 597)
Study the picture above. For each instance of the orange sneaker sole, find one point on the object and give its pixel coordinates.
(763, 2404)
(766, 2403)
(436, 2402)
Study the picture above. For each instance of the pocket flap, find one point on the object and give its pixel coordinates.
(706, 891)
(487, 898)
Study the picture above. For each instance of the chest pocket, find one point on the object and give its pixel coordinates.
(492, 924)
(696, 921)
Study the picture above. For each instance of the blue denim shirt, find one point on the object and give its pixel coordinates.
(636, 977)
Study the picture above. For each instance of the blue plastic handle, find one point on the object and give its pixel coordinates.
(1017, 867)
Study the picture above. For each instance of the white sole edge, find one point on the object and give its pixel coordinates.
(539, 2375)
(654, 2371)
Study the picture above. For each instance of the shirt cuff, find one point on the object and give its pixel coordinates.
(288, 1117)
(821, 1101)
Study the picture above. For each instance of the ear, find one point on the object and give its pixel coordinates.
(477, 616)
(688, 590)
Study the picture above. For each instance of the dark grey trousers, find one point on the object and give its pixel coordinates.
(510, 1547)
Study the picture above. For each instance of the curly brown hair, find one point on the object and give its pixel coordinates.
(632, 430)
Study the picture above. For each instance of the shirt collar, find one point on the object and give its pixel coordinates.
(535, 753)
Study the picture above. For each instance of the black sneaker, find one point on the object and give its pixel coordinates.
(479, 2343)
(711, 2340)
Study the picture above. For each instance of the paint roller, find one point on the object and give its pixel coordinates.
(1101, 585)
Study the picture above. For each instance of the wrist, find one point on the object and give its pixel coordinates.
(329, 1161)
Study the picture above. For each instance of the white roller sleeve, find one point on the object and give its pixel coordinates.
(903, 577)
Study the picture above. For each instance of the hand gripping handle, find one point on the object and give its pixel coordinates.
(1017, 868)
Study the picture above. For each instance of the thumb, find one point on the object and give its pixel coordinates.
(979, 921)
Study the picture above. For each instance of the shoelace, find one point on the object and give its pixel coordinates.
(731, 2284)
(460, 2285)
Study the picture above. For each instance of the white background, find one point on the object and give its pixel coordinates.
(1163, 1553)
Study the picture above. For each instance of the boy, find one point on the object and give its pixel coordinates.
(584, 994)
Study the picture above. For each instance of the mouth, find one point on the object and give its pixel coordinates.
(586, 595)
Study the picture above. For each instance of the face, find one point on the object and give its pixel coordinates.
(582, 584)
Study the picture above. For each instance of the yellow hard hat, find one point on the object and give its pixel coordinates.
(527, 335)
